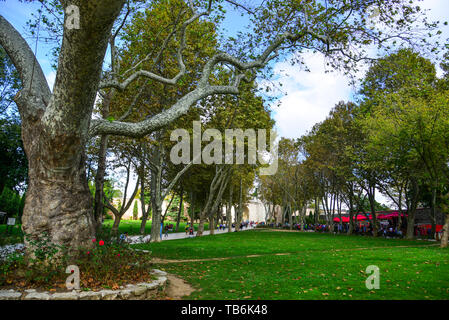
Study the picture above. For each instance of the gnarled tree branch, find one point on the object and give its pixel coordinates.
(35, 93)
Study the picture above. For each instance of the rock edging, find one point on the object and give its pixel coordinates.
(140, 291)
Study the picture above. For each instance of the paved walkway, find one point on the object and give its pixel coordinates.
(179, 235)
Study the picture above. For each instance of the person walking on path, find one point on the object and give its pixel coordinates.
(123, 237)
(160, 231)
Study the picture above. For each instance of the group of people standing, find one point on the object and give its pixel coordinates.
(189, 230)
(318, 227)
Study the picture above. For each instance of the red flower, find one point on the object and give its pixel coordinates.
(94, 240)
(88, 252)
(101, 242)
(118, 254)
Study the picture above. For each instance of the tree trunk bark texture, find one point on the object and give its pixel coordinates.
(212, 225)
(200, 230)
(445, 236)
(55, 125)
(58, 204)
(180, 209)
(156, 224)
(99, 182)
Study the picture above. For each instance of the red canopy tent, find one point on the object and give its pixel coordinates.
(391, 215)
(381, 216)
(344, 219)
(428, 226)
(394, 215)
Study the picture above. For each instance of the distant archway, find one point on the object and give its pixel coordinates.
(245, 213)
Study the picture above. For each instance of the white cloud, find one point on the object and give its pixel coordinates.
(51, 77)
(310, 95)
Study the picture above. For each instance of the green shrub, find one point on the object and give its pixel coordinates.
(10, 202)
(105, 264)
(40, 267)
(309, 219)
(135, 211)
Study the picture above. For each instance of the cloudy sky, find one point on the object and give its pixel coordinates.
(311, 95)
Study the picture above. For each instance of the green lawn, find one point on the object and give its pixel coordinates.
(14, 235)
(318, 266)
(133, 226)
(13, 230)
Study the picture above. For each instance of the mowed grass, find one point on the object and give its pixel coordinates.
(13, 230)
(314, 266)
(261, 241)
(13, 235)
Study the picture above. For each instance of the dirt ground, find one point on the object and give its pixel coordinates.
(177, 288)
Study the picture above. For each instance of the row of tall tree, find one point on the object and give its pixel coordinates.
(394, 140)
(203, 186)
(58, 124)
(13, 162)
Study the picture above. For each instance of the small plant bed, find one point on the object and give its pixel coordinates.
(106, 265)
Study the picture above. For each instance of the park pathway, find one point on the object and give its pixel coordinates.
(179, 235)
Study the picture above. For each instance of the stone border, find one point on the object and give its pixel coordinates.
(140, 291)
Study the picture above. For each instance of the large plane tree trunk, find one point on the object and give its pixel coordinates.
(156, 224)
(445, 236)
(200, 229)
(180, 210)
(445, 210)
(99, 182)
(58, 204)
(55, 125)
(145, 211)
(372, 201)
(213, 199)
(212, 225)
(411, 210)
(156, 203)
(433, 211)
(228, 210)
